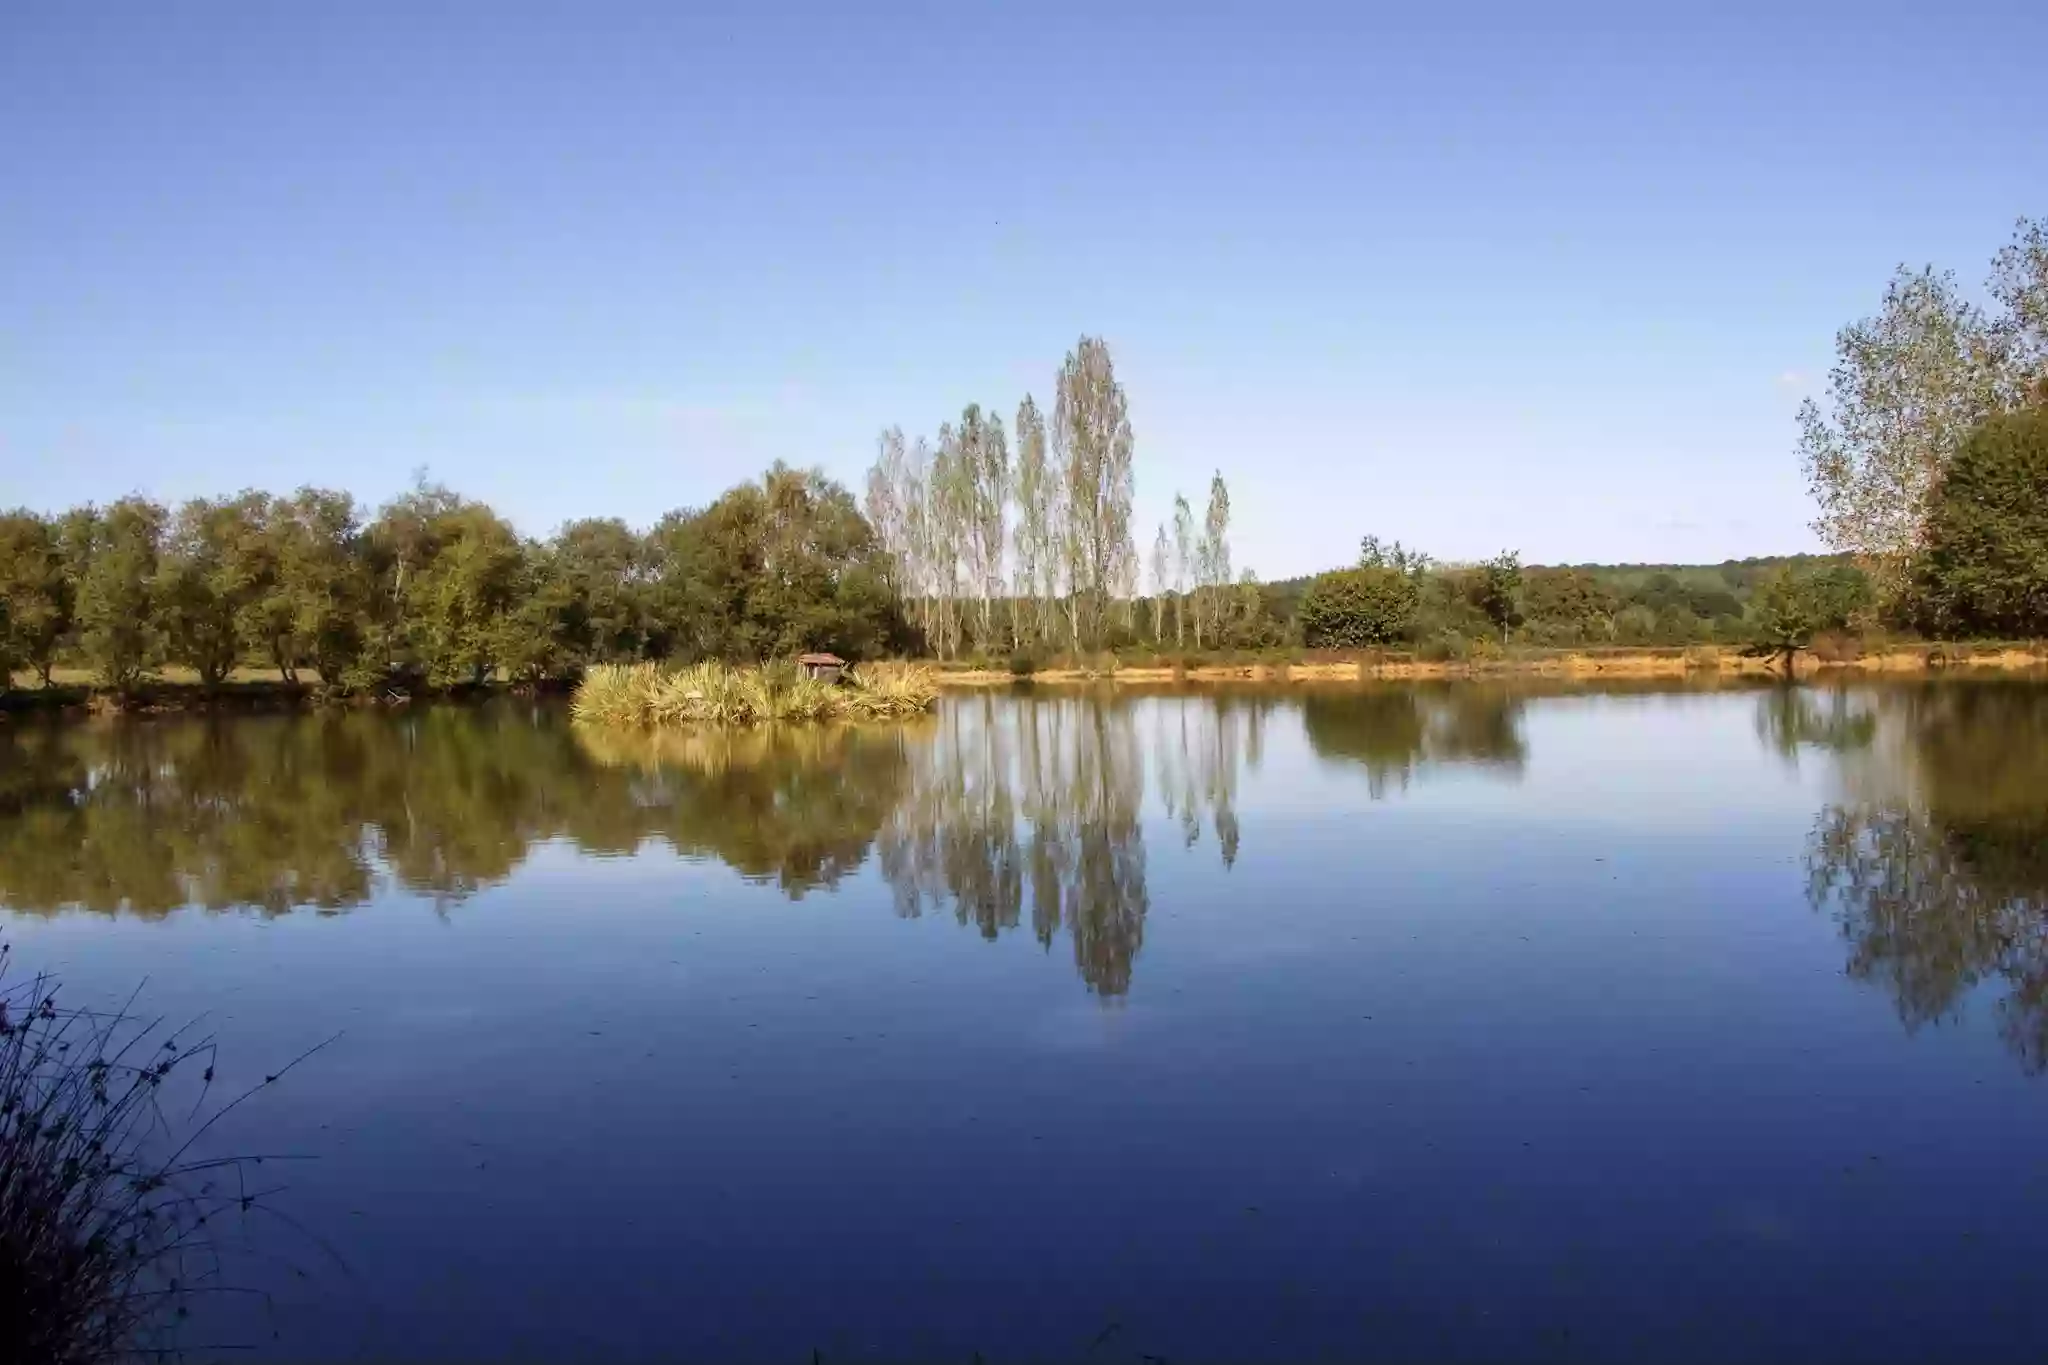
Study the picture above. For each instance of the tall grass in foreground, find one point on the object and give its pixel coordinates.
(724, 695)
(107, 1220)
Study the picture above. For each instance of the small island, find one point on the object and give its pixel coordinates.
(718, 694)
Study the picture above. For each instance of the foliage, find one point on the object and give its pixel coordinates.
(1497, 590)
(600, 567)
(771, 569)
(1907, 387)
(1354, 608)
(1092, 446)
(324, 597)
(1373, 553)
(218, 575)
(113, 556)
(35, 594)
(1791, 607)
(1985, 567)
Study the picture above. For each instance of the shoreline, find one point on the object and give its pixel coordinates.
(1696, 661)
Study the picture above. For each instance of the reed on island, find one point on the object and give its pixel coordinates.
(728, 695)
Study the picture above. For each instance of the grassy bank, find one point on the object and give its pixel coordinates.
(714, 694)
(1619, 662)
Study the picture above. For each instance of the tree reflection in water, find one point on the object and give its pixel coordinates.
(1398, 731)
(277, 812)
(1939, 879)
(1037, 798)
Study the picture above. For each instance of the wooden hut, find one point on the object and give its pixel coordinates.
(824, 667)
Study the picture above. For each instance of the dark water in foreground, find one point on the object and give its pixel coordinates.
(1456, 1022)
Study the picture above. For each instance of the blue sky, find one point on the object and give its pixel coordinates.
(1547, 276)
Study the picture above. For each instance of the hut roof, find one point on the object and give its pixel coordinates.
(829, 659)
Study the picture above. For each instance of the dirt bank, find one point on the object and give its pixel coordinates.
(1697, 661)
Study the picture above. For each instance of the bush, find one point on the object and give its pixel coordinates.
(1353, 608)
(1023, 664)
(1983, 572)
(1445, 647)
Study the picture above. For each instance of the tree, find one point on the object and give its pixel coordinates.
(10, 657)
(1497, 590)
(1162, 570)
(769, 569)
(1793, 607)
(2019, 281)
(1985, 567)
(1373, 553)
(323, 586)
(1183, 568)
(1355, 608)
(984, 475)
(599, 566)
(116, 552)
(546, 632)
(1214, 558)
(35, 594)
(1569, 606)
(218, 575)
(1907, 387)
(1038, 515)
(888, 504)
(1092, 445)
(452, 572)
(401, 546)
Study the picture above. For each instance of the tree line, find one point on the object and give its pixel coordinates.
(436, 587)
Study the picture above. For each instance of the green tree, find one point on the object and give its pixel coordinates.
(1569, 606)
(461, 604)
(1984, 570)
(774, 568)
(542, 635)
(602, 566)
(1355, 608)
(35, 594)
(1497, 590)
(116, 552)
(322, 607)
(1792, 607)
(217, 580)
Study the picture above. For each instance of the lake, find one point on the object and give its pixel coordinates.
(1469, 1021)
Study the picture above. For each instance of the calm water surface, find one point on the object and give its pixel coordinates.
(1456, 1022)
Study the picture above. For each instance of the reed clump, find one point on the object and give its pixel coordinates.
(108, 1214)
(715, 694)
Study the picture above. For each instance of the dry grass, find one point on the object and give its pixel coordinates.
(713, 694)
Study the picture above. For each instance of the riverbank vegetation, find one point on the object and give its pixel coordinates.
(718, 694)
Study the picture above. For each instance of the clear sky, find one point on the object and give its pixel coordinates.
(1551, 276)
